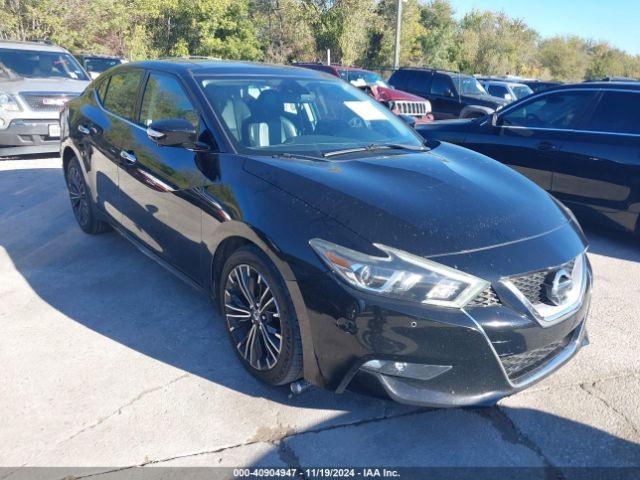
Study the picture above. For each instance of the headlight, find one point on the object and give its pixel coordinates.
(400, 275)
(8, 103)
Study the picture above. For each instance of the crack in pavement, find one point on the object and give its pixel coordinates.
(591, 390)
(119, 409)
(512, 434)
(285, 452)
(289, 457)
(496, 416)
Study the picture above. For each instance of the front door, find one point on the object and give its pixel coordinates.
(158, 204)
(601, 168)
(444, 98)
(530, 137)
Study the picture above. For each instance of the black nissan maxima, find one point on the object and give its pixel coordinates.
(340, 249)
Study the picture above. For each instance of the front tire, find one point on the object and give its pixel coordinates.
(81, 202)
(260, 318)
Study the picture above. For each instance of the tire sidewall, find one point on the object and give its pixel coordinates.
(286, 369)
(75, 164)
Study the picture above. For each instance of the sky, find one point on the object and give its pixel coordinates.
(615, 21)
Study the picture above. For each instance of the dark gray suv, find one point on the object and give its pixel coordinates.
(452, 94)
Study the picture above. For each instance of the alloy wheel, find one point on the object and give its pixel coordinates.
(253, 317)
(78, 195)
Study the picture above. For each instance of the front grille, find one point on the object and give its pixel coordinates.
(522, 363)
(487, 298)
(46, 102)
(533, 286)
(415, 109)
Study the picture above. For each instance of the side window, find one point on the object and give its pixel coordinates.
(440, 85)
(560, 110)
(120, 97)
(398, 79)
(418, 81)
(616, 112)
(102, 89)
(344, 74)
(498, 91)
(164, 98)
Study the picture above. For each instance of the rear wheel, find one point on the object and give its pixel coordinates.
(81, 202)
(260, 318)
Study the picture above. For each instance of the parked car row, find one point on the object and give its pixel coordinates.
(341, 250)
(398, 101)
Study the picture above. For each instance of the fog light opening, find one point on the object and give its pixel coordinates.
(415, 371)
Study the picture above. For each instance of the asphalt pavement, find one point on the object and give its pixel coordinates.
(106, 359)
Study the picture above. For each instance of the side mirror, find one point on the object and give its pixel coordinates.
(495, 119)
(508, 96)
(174, 132)
(408, 119)
(448, 93)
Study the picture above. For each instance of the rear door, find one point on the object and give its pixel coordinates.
(530, 136)
(600, 169)
(157, 182)
(108, 130)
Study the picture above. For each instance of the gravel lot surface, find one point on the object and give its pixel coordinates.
(107, 359)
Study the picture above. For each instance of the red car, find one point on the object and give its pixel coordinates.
(399, 102)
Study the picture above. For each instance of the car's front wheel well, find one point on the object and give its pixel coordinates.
(224, 250)
(67, 155)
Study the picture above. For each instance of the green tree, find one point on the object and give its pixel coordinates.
(605, 61)
(339, 25)
(492, 43)
(438, 41)
(564, 58)
(284, 34)
(218, 28)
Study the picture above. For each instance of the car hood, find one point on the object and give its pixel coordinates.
(485, 100)
(445, 201)
(386, 94)
(23, 84)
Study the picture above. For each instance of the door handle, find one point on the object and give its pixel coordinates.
(128, 157)
(84, 130)
(547, 146)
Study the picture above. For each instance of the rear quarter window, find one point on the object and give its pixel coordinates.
(616, 112)
(122, 92)
(102, 89)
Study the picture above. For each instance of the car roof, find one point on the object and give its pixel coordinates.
(99, 55)
(632, 86)
(205, 66)
(40, 46)
(504, 83)
(333, 65)
(434, 70)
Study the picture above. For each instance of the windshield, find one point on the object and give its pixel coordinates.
(521, 91)
(100, 64)
(270, 115)
(468, 85)
(360, 78)
(38, 64)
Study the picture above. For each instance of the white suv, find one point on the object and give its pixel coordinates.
(36, 80)
(508, 90)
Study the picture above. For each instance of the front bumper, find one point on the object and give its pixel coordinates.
(492, 350)
(28, 136)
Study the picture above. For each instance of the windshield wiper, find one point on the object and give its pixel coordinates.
(296, 155)
(377, 146)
